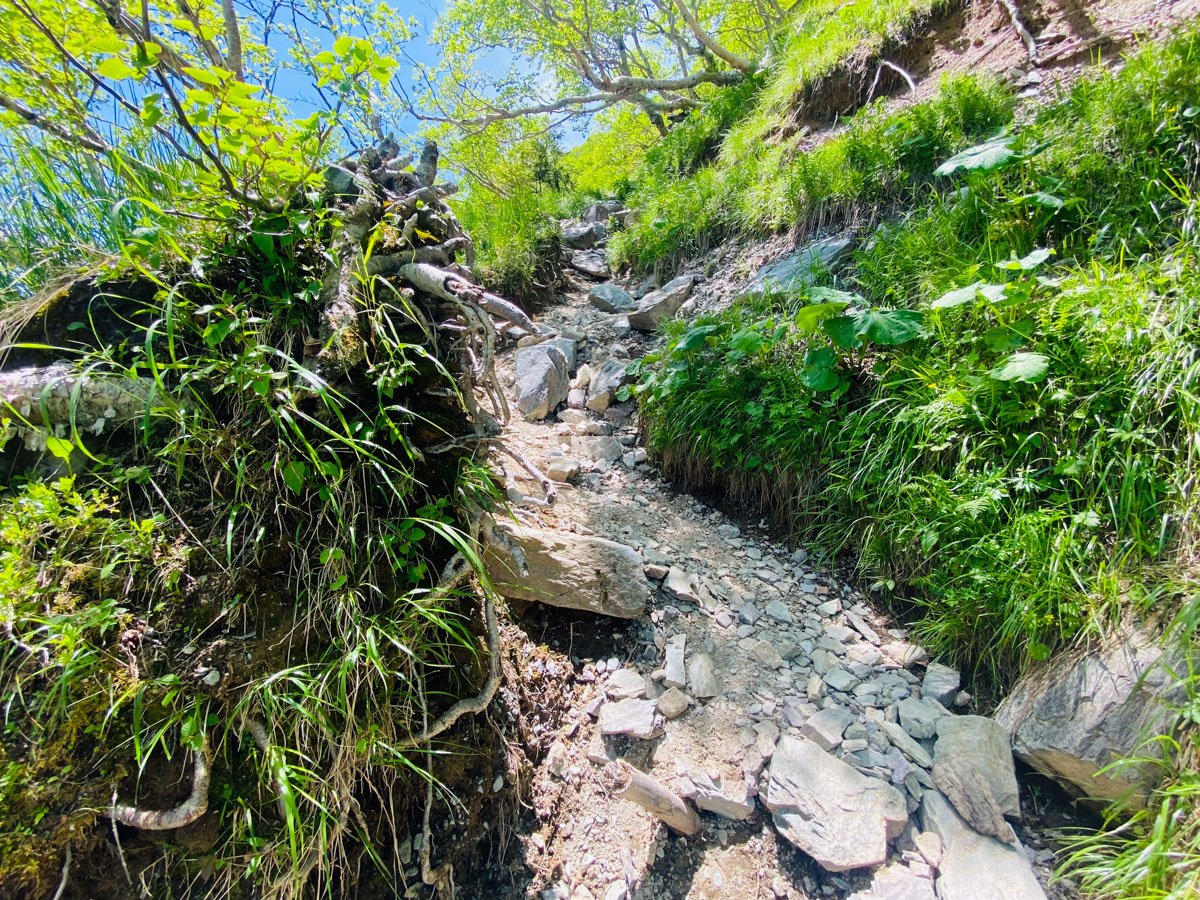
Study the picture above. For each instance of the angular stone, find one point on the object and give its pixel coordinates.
(839, 817)
(798, 270)
(571, 570)
(918, 718)
(541, 379)
(973, 767)
(702, 676)
(632, 717)
(605, 384)
(730, 801)
(940, 683)
(672, 703)
(658, 306)
(676, 676)
(1073, 717)
(610, 298)
(765, 654)
(974, 866)
(906, 743)
(624, 683)
(826, 727)
(590, 263)
(597, 447)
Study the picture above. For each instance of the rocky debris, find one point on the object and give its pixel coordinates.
(605, 383)
(631, 716)
(940, 683)
(590, 263)
(730, 801)
(610, 298)
(836, 815)
(975, 866)
(676, 674)
(541, 379)
(702, 676)
(1074, 716)
(897, 882)
(582, 235)
(920, 717)
(624, 684)
(825, 729)
(673, 703)
(798, 270)
(571, 570)
(658, 306)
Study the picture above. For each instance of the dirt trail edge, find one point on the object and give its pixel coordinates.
(826, 755)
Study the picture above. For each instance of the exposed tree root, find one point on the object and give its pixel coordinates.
(185, 813)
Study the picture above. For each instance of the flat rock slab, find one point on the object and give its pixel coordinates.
(974, 866)
(573, 571)
(1072, 717)
(610, 298)
(798, 270)
(632, 717)
(658, 306)
(836, 815)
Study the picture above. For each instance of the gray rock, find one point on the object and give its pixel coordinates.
(676, 676)
(826, 727)
(658, 306)
(702, 676)
(798, 270)
(673, 703)
(632, 717)
(840, 818)
(1075, 716)
(582, 235)
(906, 744)
(541, 379)
(598, 447)
(590, 263)
(940, 683)
(730, 801)
(610, 298)
(571, 570)
(919, 718)
(605, 384)
(973, 767)
(975, 866)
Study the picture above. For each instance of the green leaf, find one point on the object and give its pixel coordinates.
(810, 317)
(983, 157)
(1025, 367)
(1031, 261)
(883, 326)
(115, 68)
(294, 474)
(59, 447)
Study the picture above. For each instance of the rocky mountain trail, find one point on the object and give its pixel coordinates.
(827, 756)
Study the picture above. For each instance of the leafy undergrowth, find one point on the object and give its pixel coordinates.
(248, 569)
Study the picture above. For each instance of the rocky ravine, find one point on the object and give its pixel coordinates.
(765, 692)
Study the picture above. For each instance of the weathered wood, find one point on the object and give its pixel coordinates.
(629, 784)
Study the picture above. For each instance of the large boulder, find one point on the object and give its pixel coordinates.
(573, 571)
(542, 379)
(610, 298)
(582, 235)
(836, 815)
(974, 866)
(798, 270)
(1076, 715)
(658, 306)
(973, 767)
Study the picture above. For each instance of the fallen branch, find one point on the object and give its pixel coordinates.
(185, 813)
(1014, 13)
(629, 784)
